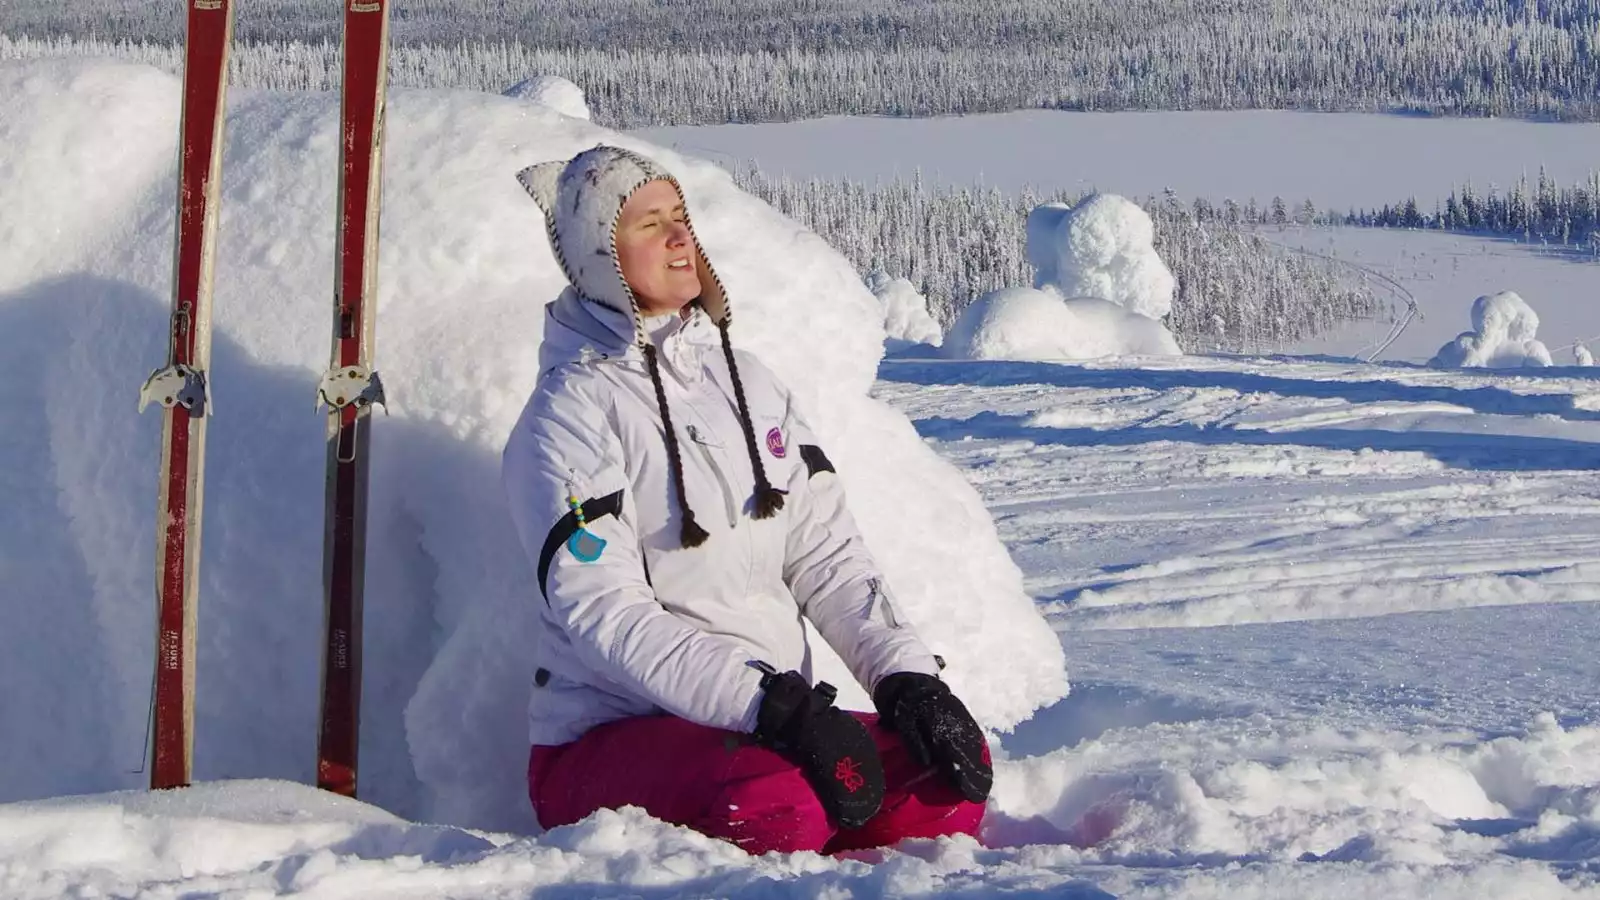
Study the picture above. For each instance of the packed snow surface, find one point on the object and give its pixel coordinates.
(1502, 336)
(1330, 624)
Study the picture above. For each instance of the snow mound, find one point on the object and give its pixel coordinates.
(1502, 337)
(1103, 247)
(1582, 356)
(464, 269)
(906, 321)
(554, 92)
(1031, 324)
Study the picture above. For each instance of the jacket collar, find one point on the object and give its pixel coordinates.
(578, 330)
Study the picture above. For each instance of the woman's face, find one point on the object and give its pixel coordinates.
(655, 250)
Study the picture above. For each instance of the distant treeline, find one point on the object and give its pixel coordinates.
(1236, 290)
(644, 62)
(1539, 210)
(1543, 211)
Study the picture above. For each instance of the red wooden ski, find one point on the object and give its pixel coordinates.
(181, 388)
(351, 388)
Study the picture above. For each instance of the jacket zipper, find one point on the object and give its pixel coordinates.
(722, 479)
(875, 597)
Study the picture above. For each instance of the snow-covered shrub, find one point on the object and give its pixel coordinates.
(1502, 336)
(1103, 247)
(906, 321)
(1030, 323)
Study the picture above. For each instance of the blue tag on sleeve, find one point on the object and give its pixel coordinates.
(585, 545)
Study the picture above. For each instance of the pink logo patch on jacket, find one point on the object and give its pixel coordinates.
(775, 444)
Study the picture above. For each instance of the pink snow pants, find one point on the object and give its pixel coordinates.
(720, 783)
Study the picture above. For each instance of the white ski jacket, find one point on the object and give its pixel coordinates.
(642, 624)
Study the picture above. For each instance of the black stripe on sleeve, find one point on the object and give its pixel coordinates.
(593, 509)
(816, 460)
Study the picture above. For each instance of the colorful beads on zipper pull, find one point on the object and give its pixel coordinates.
(584, 544)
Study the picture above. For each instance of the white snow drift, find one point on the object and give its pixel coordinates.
(88, 180)
(1502, 336)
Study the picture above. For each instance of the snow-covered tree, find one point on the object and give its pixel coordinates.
(1503, 335)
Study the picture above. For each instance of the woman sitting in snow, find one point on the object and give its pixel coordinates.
(683, 519)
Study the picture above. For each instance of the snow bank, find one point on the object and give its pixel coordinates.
(464, 269)
(1032, 324)
(906, 321)
(554, 92)
(1502, 337)
(1103, 247)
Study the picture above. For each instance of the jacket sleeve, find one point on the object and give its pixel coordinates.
(605, 605)
(834, 577)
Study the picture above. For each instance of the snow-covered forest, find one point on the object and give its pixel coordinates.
(762, 60)
(1235, 289)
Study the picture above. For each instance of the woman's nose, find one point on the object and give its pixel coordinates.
(678, 234)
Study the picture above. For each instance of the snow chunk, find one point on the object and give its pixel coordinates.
(906, 321)
(1503, 332)
(554, 92)
(1103, 247)
(1304, 791)
(1027, 323)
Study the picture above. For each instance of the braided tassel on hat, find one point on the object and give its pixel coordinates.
(691, 534)
(768, 499)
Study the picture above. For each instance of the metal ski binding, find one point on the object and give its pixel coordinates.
(351, 385)
(177, 385)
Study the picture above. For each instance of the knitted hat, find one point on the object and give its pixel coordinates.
(582, 199)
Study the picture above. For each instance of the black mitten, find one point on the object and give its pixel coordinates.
(937, 729)
(833, 749)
